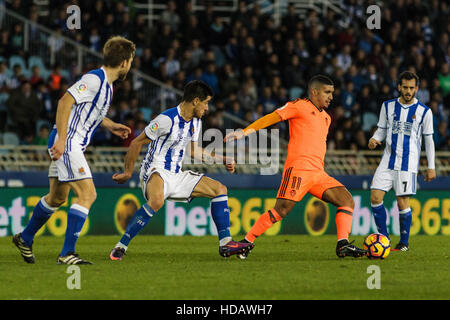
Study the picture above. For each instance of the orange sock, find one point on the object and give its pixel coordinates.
(265, 221)
(344, 217)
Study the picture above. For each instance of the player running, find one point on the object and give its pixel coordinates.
(80, 111)
(304, 167)
(161, 176)
(402, 123)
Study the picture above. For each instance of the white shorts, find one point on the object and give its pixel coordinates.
(403, 182)
(177, 186)
(72, 166)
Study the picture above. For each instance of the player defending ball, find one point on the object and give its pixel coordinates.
(162, 178)
(304, 167)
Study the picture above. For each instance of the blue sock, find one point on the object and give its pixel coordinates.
(139, 221)
(405, 225)
(41, 213)
(379, 214)
(221, 217)
(75, 220)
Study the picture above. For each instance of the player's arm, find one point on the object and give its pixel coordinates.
(116, 128)
(259, 124)
(62, 119)
(130, 158)
(199, 153)
(380, 133)
(430, 174)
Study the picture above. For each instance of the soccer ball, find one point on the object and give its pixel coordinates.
(377, 245)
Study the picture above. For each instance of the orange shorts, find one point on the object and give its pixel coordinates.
(296, 183)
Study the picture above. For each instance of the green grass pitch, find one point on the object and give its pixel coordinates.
(178, 268)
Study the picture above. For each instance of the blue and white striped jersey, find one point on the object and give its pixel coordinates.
(170, 134)
(92, 95)
(403, 127)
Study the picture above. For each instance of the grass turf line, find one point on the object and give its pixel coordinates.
(177, 268)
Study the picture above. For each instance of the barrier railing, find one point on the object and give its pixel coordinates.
(110, 159)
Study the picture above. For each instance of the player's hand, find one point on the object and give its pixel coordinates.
(236, 135)
(57, 150)
(121, 178)
(373, 143)
(430, 174)
(230, 164)
(120, 130)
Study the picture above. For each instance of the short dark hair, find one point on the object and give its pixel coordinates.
(408, 75)
(320, 79)
(197, 89)
(116, 50)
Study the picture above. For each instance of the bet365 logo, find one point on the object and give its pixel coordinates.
(74, 20)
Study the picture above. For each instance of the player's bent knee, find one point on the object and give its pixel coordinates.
(55, 202)
(156, 203)
(350, 202)
(88, 198)
(375, 199)
(221, 190)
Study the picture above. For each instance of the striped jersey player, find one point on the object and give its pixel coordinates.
(92, 96)
(80, 111)
(403, 122)
(170, 134)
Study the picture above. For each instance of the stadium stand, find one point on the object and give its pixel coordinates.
(255, 54)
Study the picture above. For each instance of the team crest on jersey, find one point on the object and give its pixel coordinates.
(81, 171)
(154, 127)
(81, 87)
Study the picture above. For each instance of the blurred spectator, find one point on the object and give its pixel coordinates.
(42, 137)
(17, 77)
(5, 78)
(170, 16)
(442, 135)
(267, 100)
(5, 44)
(36, 78)
(209, 76)
(423, 94)
(344, 59)
(23, 110)
(348, 96)
(228, 80)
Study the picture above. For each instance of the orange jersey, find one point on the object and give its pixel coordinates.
(308, 130)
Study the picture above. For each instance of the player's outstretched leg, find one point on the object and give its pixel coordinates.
(379, 210)
(405, 217)
(76, 217)
(344, 248)
(220, 213)
(343, 200)
(24, 241)
(139, 221)
(221, 217)
(26, 251)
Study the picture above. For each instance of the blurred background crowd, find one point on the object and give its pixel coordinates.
(253, 65)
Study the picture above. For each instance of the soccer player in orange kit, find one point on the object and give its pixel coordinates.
(304, 167)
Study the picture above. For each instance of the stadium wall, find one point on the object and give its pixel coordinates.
(249, 196)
